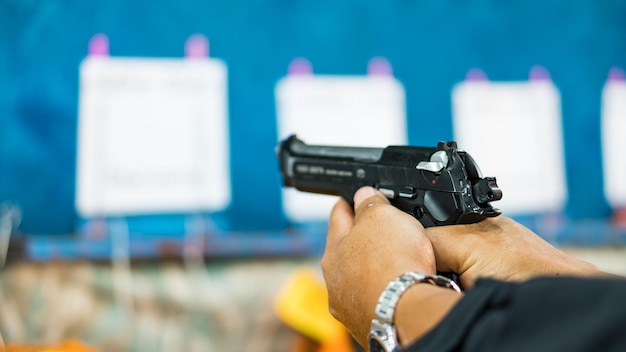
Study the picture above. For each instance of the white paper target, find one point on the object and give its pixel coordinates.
(613, 147)
(152, 136)
(368, 110)
(513, 130)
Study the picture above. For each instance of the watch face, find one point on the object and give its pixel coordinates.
(382, 337)
(375, 346)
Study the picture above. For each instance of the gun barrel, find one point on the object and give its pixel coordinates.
(332, 170)
(364, 154)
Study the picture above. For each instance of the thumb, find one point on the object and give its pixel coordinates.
(367, 196)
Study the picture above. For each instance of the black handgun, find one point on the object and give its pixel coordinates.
(439, 185)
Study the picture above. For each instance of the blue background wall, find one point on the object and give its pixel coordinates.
(431, 45)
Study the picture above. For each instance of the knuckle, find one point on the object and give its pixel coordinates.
(324, 263)
(333, 311)
(379, 211)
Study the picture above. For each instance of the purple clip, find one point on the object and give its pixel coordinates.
(98, 45)
(197, 47)
(539, 73)
(476, 75)
(616, 74)
(379, 66)
(300, 66)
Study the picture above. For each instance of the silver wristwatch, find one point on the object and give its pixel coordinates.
(382, 336)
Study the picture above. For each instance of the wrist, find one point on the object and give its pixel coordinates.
(420, 309)
(418, 314)
(558, 264)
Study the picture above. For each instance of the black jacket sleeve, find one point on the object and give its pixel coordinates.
(544, 314)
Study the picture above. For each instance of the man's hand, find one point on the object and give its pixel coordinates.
(365, 250)
(503, 249)
(372, 245)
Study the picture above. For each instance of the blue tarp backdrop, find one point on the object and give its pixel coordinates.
(430, 44)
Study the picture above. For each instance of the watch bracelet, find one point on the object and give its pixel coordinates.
(391, 294)
(382, 330)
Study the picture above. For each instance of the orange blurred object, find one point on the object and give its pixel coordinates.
(63, 346)
(302, 304)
